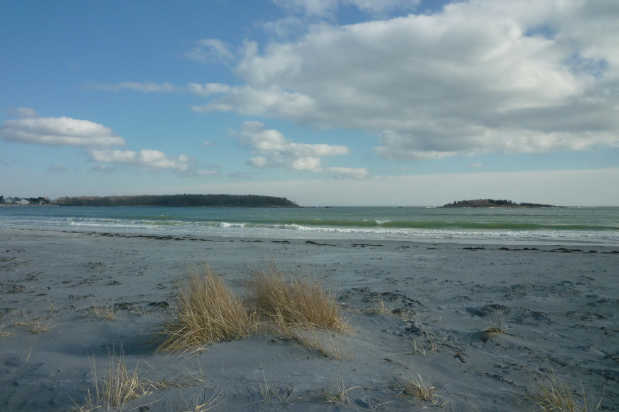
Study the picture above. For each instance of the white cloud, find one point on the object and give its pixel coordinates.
(211, 50)
(477, 77)
(259, 161)
(272, 149)
(146, 159)
(59, 131)
(206, 143)
(93, 138)
(249, 101)
(286, 27)
(207, 89)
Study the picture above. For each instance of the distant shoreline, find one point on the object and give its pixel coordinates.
(32, 205)
(184, 200)
(491, 203)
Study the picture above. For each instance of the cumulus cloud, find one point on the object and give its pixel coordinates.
(207, 89)
(95, 139)
(146, 159)
(59, 131)
(286, 27)
(154, 160)
(272, 149)
(476, 77)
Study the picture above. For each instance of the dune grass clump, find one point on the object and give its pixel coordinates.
(116, 387)
(36, 326)
(417, 388)
(104, 312)
(207, 312)
(295, 302)
(380, 308)
(119, 385)
(553, 394)
(420, 391)
(340, 395)
(491, 333)
(494, 329)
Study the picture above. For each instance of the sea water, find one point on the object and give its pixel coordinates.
(556, 225)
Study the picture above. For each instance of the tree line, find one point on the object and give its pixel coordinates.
(492, 203)
(184, 200)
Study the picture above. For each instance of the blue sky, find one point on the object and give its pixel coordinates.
(327, 102)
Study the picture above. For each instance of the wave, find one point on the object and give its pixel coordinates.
(595, 225)
(360, 224)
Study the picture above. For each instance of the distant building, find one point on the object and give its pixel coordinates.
(13, 201)
(29, 201)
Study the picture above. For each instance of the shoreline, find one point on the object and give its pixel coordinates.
(328, 236)
(575, 246)
(557, 306)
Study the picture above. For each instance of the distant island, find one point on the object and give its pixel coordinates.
(493, 203)
(183, 200)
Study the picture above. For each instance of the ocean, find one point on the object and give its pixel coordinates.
(569, 225)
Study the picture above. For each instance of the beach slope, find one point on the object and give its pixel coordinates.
(467, 328)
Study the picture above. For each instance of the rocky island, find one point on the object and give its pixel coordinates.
(493, 203)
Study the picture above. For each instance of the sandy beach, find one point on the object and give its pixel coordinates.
(418, 313)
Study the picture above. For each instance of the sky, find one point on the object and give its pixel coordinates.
(325, 102)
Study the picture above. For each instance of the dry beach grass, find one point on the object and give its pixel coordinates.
(552, 394)
(207, 312)
(104, 312)
(296, 302)
(421, 391)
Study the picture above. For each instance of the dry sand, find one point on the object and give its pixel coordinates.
(558, 309)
